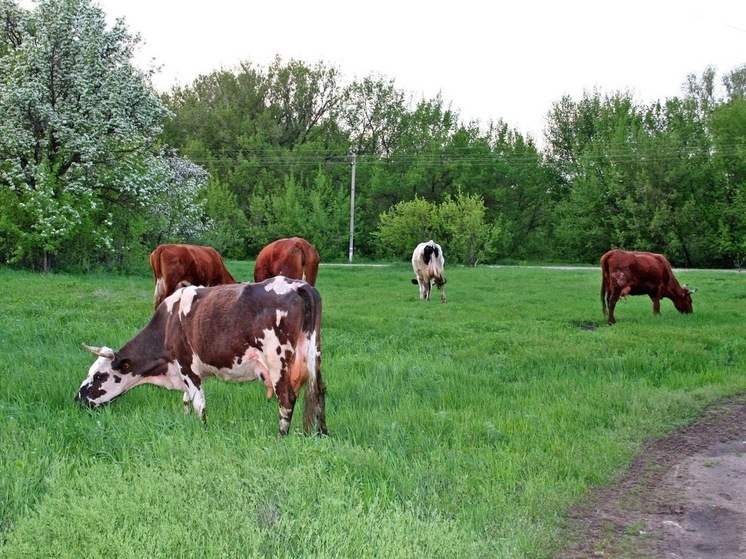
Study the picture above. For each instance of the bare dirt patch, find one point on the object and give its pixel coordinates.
(683, 497)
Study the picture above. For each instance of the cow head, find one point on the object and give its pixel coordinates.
(107, 378)
(683, 300)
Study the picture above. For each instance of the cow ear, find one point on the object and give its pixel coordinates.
(690, 290)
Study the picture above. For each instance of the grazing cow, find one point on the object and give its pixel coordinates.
(269, 331)
(176, 266)
(428, 264)
(640, 273)
(293, 258)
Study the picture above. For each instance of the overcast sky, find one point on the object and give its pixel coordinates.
(489, 61)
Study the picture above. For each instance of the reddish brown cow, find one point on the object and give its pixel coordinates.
(176, 266)
(294, 258)
(640, 273)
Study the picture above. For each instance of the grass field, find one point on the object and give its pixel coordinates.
(456, 430)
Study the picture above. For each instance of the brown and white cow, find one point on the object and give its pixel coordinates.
(176, 266)
(293, 258)
(428, 264)
(269, 331)
(640, 273)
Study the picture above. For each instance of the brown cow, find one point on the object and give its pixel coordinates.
(176, 266)
(640, 273)
(294, 258)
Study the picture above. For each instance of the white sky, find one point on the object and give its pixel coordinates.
(489, 59)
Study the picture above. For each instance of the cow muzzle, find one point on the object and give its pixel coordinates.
(83, 400)
(83, 397)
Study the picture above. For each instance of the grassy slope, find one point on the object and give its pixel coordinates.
(458, 430)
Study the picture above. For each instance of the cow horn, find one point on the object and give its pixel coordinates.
(100, 351)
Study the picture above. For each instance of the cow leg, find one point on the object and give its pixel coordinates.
(613, 298)
(421, 284)
(428, 286)
(196, 395)
(320, 388)
(442, 289)
(656, 304)
(286, 398)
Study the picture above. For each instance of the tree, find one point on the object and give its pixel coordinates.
(227, 227)
(77, 136)
(319, 214)
(405, 225)
(735, 83)
(373, 112)
(729, 131)
(457, 224)
(177, 211)
(470, 240)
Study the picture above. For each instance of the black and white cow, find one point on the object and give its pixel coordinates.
(428, 264)
(269, 331)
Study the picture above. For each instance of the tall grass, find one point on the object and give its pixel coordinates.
(457, 430)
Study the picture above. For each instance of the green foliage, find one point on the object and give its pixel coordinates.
(78, 124)
(470, 240)
(646, 178)
(319, 214)
(227, 226)
(457, 224)
(89, 171)
(729, 130)
(405, 225)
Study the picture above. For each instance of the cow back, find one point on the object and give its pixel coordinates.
(643, 271)
(293, 258)
(176, 266)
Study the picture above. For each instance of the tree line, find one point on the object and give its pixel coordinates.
(96, 168)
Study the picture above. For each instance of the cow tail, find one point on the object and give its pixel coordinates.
(303, 274)
(604, 284)
(155, 265)
(314, 411)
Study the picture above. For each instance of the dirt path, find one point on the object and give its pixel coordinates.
(684, 497)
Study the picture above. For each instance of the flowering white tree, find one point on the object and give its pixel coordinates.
(178, 210)
(77, 135)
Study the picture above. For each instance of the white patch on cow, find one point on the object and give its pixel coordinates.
(285, 415)
(279, 316)
(173, 379)
(185, 297)
(196, 396)
(282, 285)
(252, 365)
(309, 349)
(273, 351)
(245, 368)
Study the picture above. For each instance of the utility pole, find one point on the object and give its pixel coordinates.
(352, 204)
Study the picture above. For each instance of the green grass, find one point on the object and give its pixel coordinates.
(457, 430)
